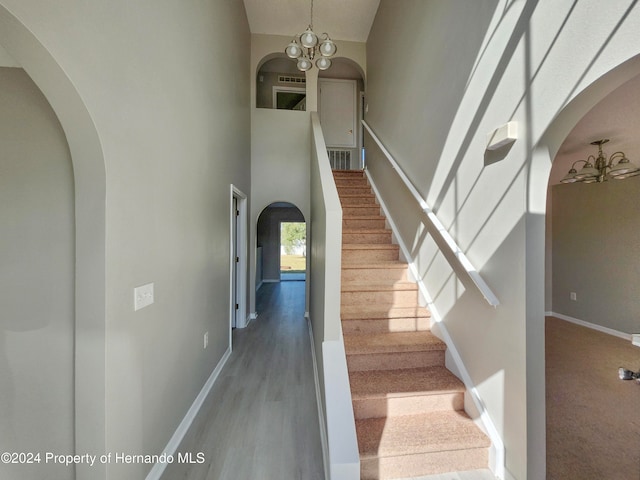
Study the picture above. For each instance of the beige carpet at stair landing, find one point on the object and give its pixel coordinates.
(593, 418)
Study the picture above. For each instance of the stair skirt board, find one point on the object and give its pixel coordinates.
(373, 278)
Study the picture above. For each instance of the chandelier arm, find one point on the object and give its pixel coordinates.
(615, 155)
(578, 161)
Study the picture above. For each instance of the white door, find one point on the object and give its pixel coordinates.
(338, 109)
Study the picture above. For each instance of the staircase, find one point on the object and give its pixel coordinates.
(409, 408)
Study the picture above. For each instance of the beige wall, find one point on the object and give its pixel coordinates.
(441, 75)
(595, 237)
(172, 114)
(36, 279)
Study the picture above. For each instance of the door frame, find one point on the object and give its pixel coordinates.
(237, 269)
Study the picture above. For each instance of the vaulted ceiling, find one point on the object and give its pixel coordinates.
(342, 19)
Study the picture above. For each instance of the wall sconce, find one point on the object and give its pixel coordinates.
(600, 169)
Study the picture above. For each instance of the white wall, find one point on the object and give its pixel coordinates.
(37, 278)
(478, 66)
(170, 104)
(279, 169)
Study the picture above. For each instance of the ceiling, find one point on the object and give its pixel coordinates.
(348, 20)
(616, 117)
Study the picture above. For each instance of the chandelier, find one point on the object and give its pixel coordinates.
(309, 45)
(599, 169)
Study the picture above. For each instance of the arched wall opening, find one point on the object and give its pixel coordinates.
(280, 85)
(89, 183)
(268, 47)
(268, 240)
(539, 269)
(591, 281)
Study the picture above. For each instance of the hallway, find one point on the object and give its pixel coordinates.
(260, 420)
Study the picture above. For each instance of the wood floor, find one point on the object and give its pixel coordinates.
(260, 421)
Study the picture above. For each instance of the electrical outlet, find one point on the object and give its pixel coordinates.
(142, 296)
(573, 296)
(206, 339)
(635, 339)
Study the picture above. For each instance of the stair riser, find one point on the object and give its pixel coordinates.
(352, 190)
(362, 238)
(412, 405)
(386, 325)
(361, 210)
(351, 182)
(369, 223)
(433, 463)
(374, 275)
(394, 361)
(369, 256)
(383, 313)
(359, 200)
(397, 298)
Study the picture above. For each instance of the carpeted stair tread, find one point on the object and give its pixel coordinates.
(358, 186)
(364, 217)
(382, 265)
(353, 230)
(352, 312)
(368, 286)
(369, 246)
(370, 196)
(414, 434)
(359, 206)
(392, 342)
(404, 382)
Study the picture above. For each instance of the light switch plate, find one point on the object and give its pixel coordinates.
(142, 296)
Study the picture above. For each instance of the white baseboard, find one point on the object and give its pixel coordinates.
(252, 316)
(593, 326)
(158, 469)
(497, 452)
(316, 379)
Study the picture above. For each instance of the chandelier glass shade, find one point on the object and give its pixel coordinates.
(600, 169)
(309, 45)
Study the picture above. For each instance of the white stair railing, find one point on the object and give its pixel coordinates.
(462, 260)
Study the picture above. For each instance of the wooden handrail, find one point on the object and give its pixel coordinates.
(463, 261)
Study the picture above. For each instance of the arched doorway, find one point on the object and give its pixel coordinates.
(538, 270)
(89, 186)
(592, 310)
(272, 252)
